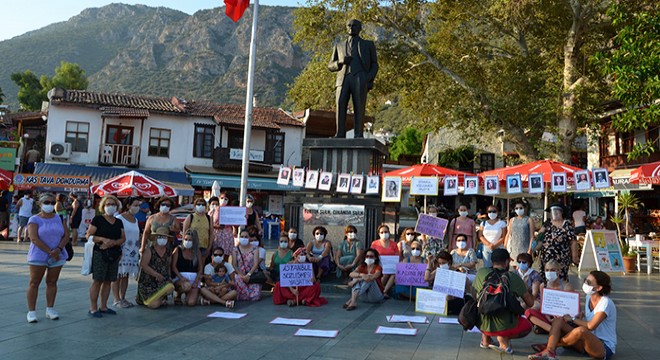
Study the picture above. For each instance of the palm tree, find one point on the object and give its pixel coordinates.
(627, 201)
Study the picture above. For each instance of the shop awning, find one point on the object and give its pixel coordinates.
(234, 181)
(177, 179)
(620, 179)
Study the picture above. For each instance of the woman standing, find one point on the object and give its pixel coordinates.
(349, 252)
(386, 247)
(128, 265)
(161, 219)
(493, 232)
(200, 222)
(299, 295)
(60, 206)
(283, 255)
(107, 234)
(223, 234)
(76, 217)
(462, 225)
(405, 241)
(245, 260)
(187, 266)
(47, 255)
(366, 283)
(559, 242)
(253, 218)
(154, 283)
(520, 232)
(320, 251)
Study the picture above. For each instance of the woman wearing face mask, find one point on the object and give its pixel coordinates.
(349, 252)
(299, 295)
(107, 234)
(405, 241)
(366, 284)
(592, 332)
(386, 246)
(294, 242)
(245, 261)
(200, 222)
(226, 296)
(432, 245)
(444, 261)
(492, 234)
(154, 283)
(48, 236)
(462, 225)
(559, 241)
(320, 251)
(253, 218)
(541, 322)
(520, 232)
(162, 218)
(414, 257)
(187, 267)
(464, 259)
(223, 235)
(128, 265)
(283, 255)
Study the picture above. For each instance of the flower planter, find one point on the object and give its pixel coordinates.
(629, 264)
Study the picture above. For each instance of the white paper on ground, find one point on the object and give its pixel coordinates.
(317, 333)
(395, 331)
(226, 315)
(288, 321)
(406, 318)
(475, 330)
(448, 320)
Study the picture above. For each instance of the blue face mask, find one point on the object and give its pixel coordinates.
(523, 267)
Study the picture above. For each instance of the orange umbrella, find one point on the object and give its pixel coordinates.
(545, 167)
(406, 174)
(646, 174)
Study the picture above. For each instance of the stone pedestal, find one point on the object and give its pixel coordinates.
(359, 156)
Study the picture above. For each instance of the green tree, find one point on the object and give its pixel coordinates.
(409, 142)
(33, 91)
(478, 66)
(632, 65)
(2, 96)
(30, 92)
(67, 76)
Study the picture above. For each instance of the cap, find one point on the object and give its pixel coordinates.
(161, 231)
(300, 251)
(500, 255)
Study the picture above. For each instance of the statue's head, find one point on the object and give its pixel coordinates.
(354, 27)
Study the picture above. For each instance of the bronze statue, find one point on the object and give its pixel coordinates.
(354, 60)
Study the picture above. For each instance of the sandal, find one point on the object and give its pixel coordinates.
(501, 350)
(351, 308)
(484, 346)
(205, 302)
(345, 306)
(539, 347)
(229, 304)
(290, 303)
(545, 355)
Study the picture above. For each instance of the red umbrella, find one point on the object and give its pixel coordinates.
(646, 174)
(545, 167)
(133, 183)
(5, 179)
(406, 174)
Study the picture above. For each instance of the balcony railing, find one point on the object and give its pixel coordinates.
(122, 155)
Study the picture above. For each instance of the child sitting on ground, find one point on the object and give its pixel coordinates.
(219, 283)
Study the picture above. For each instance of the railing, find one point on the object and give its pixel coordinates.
(123, 155)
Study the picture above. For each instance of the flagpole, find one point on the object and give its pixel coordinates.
(247, 132)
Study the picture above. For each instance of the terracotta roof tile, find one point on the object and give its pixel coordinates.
(116, 100)
(124, 112)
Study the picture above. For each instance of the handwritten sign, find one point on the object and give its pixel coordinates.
(431, 302)
(389, 262)
(450, 282)
(232, 215)
(317, 333)
(384, 330)
(410, 274)
(296, 274)
(431, 226)
(560, 303)
(424, 185)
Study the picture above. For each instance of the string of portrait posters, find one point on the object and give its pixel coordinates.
(581, 180)
(324, 180)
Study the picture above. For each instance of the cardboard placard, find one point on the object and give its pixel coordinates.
(431, 302)
(232, 215)
(559, 302)
(388, 263)
(450, 282)
(410, 274)
(431, 226)
(296, 274)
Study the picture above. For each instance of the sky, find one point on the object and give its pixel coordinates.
(19, 17)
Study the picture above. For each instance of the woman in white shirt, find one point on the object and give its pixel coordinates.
(492, 233)
(593, 332)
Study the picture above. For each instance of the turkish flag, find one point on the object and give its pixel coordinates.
(235, 8)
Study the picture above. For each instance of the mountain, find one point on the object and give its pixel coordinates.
(144, 50)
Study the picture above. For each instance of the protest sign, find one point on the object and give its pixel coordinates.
(424, 185)
(384, 330)
(560, 303)
(232, 215)
(431, 302)
(410, 274)
(431, 226)
(388, 263)
(450, 282)
(296, 274)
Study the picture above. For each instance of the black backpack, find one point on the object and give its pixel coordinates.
(495, 297)
(469, 315)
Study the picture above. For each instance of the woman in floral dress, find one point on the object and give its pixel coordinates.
(245, 261)
(224, 234)
(559, 242)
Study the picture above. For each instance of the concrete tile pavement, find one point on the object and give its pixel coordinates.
(177, 332)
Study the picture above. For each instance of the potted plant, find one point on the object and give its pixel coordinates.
(629, 258)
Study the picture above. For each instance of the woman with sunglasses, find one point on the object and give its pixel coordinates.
(366, 283)
(415, 257)
(223, 235)
(386, 246)
(228, 294)
(592, 332)
(162, 218)
(349, 252)
(492, 233)
(405, 241)
(320, 251)
(187, 267)
(464, 258)
(48, 236)
(536, 285)
(520, 232)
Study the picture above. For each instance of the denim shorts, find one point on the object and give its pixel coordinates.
(48, 263)
(608, 351)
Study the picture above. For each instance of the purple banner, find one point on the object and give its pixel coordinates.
(410, 274)
(431, 226)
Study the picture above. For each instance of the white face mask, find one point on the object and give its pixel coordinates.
(284, 244)
(134, 210)
(463, 213)
(319, 237)
(520, 212)
(293, 236)
(433, 214)
(461, 244)
(188, 244)
(224, 202)
(254, 243)
(110, 210)
(164, 209)
(588, 289)
(410, 237)
(213, 207)
(551, 276)
(492, 216)
(415, 252)
(369, 261)
(384, 236)
(243, 241)
(218, 259)
(161, 241)
(443, 266)
(200, 208)
(249, 205)
(47, 208)
(351, 236)
(302, 258)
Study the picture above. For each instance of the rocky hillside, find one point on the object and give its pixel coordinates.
(163, 52)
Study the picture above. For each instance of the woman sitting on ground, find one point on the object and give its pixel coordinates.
(464, 259)
(187, 266)
(386, 246)
(245, 261)
(366, 281)
(154, 284)
(534, 315)
(283, 255)
(445, 261)
(349, 252)
(299, 295)
(319, 252)
(594, 331)
(415, 257)
(219, 287)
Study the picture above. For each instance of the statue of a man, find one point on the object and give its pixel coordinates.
(354, 60)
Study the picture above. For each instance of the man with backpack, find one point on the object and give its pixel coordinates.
(498, 290)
